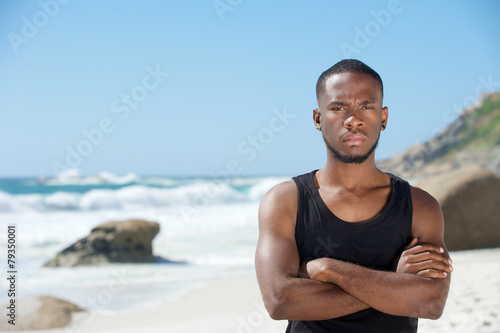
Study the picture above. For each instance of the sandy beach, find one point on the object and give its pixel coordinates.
(474, 300)
(235, 305)
(219, 306)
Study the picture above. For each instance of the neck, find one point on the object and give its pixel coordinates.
(350, 176)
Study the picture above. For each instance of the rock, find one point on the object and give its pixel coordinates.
(117, 241)
(39, 313)
(472, 138)
(470, 200)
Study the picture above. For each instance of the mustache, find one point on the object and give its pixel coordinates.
(356, 131)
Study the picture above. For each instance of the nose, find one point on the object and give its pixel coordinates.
(353, 120)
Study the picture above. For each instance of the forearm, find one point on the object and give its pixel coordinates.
(305, 299)
(389, 292)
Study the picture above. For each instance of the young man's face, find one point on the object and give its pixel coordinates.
(350, 116)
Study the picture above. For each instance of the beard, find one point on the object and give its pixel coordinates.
(351, 159)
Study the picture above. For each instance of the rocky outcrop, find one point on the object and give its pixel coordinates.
(470, 200)
(472, 138)
(111, 242)
(39, 313)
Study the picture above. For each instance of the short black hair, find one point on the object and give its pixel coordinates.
(346, 66)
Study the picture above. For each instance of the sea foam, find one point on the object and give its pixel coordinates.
(153, 192)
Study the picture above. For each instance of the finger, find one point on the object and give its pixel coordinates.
(430, 247)
(413, 242)
(429, 264)
(426, 248)
(433, 274)
(428, 255)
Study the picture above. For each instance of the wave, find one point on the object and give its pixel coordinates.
(73, 177)
(125, 198)
(258, 190)
(14, 203)
(151, 192)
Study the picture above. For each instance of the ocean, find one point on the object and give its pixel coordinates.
(209, 224)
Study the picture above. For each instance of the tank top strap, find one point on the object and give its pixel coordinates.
(305, 194)
(403, 199)
(305, 183)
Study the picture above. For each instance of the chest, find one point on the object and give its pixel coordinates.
(356, 207)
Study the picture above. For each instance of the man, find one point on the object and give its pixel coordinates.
(348, 248)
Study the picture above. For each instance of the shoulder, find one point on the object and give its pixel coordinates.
(282, 195)
(279, 204)
(428, 221)
(423, 202)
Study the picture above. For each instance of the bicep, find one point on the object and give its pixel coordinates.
(277, 257)
(428, 220)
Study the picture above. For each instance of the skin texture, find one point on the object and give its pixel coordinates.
(350, 117)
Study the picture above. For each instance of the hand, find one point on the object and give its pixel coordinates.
(313, 269)
(427, 260)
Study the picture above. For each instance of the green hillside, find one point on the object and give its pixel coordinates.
(488, 127)
(474, 137)
(482, 130)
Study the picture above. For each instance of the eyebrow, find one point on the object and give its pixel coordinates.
(367, 101)
(337, 103)
(343, 103)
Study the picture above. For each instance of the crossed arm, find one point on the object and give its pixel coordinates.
(418, 288)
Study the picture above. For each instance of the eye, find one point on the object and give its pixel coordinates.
(338, 108)
(367, 108)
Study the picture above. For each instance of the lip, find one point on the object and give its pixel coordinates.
(354, 139)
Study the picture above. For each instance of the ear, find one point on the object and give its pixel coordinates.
(317, 119)
(385, 116)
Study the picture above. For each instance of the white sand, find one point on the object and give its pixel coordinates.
(474, 300)
(235, 306)
(221, 306)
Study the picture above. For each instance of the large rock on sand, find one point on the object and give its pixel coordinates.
(39, 313)
(117, 241)
(470, 199)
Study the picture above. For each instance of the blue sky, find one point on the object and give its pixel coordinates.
(204, 87)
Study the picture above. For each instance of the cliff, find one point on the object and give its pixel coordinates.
(473, 138)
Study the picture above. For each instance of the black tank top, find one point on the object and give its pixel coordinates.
(375, 243)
